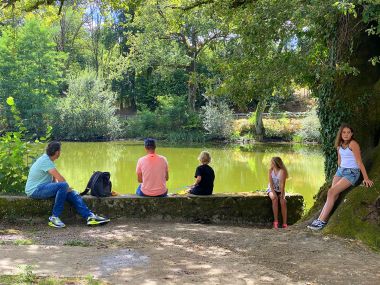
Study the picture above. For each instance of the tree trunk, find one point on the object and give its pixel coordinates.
(259, 125)
(192, 70)
(192, 86)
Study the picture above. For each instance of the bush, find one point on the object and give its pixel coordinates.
(87, 112)
(243, 127)
(170, 121)
(14, 156)
(310, 127)
(217, 119)
(282, 128)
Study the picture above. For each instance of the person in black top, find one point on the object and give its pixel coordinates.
(204, 174)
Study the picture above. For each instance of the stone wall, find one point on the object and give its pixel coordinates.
(239, 208)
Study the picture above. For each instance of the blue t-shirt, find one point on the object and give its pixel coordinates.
(39, 174)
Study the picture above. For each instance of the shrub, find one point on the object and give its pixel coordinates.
(310, 127)
(87, 112)
(283, 128)
(243, 127)
(170, 121)
(14, 156)
(217, 119)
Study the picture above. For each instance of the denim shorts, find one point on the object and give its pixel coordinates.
(351, 174)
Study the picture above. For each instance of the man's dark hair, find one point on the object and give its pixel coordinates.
(150, 143)
(53, 147)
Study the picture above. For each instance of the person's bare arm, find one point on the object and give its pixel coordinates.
(197, 180)
(338, 156)
(57, 176)
(139, 177)
(356, 150)
(282, 183)
(271, 181)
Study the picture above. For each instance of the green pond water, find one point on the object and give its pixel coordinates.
(237, 169)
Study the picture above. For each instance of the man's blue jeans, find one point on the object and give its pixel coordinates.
(59, 191)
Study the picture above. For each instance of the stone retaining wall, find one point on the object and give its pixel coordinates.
(237, 208)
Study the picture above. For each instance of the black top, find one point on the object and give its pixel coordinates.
(206, 185)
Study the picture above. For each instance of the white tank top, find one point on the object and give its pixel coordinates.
(276, 181)
(347, 158)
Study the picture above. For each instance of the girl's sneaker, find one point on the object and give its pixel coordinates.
(317, 225)
(275, 225)
(284, 226)
(56, 222)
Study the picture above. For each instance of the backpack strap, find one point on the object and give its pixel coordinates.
(91, 183)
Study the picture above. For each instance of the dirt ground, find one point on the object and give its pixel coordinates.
(138, 252)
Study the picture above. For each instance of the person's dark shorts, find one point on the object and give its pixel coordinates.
(351, 174)
(278, 193)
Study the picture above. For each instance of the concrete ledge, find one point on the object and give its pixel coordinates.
(237, 208)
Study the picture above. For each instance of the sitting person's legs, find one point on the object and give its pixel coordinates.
(76, 200)
(50, 190)
(139, 192)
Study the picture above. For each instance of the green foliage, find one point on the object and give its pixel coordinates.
(217, 119)
(281, 129)
(26, 276)
(171, 121)
(87, 112)
(23, 242)
(310, 128)
(92, 281)
(14, 153)
(30, 72)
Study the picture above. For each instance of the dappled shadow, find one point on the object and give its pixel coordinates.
(164, 253)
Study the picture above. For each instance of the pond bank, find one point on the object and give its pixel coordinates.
(138, 252)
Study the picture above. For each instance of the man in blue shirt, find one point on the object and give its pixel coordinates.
(44, 181)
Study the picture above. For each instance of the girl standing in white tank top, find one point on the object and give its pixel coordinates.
(349, 167)
(276, 189)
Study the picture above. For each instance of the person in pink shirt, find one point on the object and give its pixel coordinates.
(152, 172)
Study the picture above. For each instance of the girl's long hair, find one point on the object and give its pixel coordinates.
(280, 165)
(338, 139)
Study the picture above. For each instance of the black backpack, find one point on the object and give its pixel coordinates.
(99, 184)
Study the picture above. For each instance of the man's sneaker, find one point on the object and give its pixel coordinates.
(56, 222)
(317, 225)
(94, 220)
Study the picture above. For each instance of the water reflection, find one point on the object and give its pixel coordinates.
(237, 169)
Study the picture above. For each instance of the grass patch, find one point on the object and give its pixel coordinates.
(22, 242)
(10, 232)
(27, 277)
(17, 280)
(75, 242)
(16, 242)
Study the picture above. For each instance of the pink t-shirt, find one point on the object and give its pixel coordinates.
(153, 168)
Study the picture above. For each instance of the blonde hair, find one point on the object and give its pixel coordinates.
(338, 139)
(280, 165)
(204, 157)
